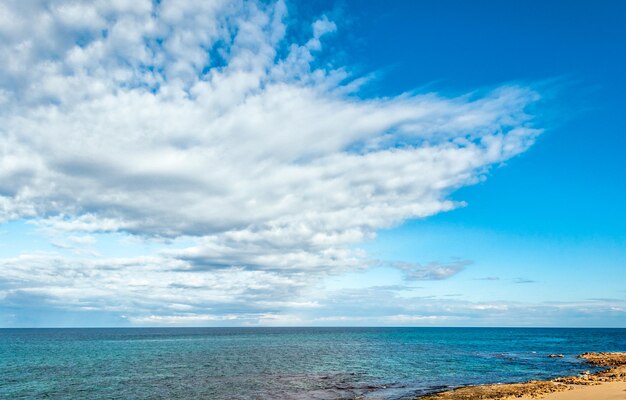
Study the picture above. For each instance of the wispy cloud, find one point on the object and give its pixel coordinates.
(523, 280)
(433, 271)
(157, 291)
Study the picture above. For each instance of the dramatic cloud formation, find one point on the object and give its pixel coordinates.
(206, 121)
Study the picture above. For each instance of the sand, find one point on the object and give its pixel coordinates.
(604, 391)
(608, 384)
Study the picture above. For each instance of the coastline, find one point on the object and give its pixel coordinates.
(607, 384)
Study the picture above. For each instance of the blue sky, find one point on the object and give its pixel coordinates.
(556, 212)
(337, 163)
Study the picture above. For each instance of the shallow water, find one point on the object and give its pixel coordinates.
(282, 363)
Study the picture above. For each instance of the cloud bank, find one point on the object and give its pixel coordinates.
(208, 121)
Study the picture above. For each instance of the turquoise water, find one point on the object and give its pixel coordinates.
(282, 363)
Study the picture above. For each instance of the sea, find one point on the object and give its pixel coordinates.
(283, 363)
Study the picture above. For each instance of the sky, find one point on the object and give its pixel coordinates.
(327, 163)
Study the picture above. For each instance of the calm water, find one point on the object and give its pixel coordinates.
(282, 363)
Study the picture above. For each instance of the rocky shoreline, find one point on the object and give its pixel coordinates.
(615, 371)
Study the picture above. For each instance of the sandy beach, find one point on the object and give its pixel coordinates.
(604, 391)
(607, 384)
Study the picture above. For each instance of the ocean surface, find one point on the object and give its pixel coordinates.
(282, 363)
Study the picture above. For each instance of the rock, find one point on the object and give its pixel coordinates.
(605, 359)
(536, 389)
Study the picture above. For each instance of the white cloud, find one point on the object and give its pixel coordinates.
(162, 291)
(433, 271)
(187, 119)
(140, 285)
